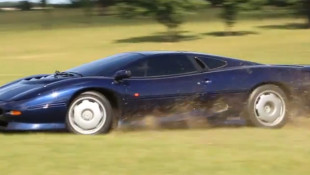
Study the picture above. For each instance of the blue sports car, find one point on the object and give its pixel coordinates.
(90, 98)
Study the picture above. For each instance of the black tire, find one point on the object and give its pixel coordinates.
(260, 108)
(102, 102)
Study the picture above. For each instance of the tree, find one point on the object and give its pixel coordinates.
(169, 13)
(46, 23)
(280, 3)
(303, 8)
(104, 4)
(87, 6)
(231, 9)
(229, 13)
(43, 3)
(216, 2)
(306, 10)
(25, 5)
(252, 4)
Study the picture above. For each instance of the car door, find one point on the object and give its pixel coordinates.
(162, 82)
(222, 88)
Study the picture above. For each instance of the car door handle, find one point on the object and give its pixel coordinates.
(207, 81)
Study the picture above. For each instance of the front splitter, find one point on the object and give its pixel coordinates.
(17, 126)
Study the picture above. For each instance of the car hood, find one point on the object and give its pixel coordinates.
(18, 88)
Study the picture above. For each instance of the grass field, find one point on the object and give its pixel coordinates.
(211, 151)
(28, 47)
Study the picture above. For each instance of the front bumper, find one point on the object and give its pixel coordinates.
(40, 117)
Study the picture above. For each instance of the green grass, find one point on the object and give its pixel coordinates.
(28, 48)
(210, 151)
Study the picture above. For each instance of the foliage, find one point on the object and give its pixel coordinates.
(25, 5)
(230, 12)
(216, 2)
(281, 3)
(302, 7)
(306, 9)
(43, 3)
(75, 3)
(87, 6)
(256, 4)
(252, 4)
(231, 9)
(107, 3)
(170, 13)
(104, 4)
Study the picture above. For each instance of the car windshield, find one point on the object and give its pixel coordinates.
(106, 66)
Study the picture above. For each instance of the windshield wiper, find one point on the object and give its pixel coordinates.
(66, 74)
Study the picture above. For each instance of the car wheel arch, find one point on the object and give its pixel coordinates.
(282, 86)
(110, 95)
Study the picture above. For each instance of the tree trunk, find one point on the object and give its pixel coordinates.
(47, 23)
(172, 34)
(309, 21)
(102, 11)
(229, 30)
(306, 6)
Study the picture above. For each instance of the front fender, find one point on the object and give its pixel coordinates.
(63, 91)
(50, 103)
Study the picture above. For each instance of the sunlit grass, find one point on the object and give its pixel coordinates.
(216, 151)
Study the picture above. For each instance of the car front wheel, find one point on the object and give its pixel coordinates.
(89, 113)
(267, 107)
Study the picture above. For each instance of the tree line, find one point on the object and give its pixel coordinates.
(171, 13)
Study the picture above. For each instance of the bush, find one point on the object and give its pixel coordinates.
(25, 5)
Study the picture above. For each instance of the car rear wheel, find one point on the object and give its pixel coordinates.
(267, 107)
(89, 113)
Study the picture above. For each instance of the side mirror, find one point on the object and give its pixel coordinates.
(122, 74)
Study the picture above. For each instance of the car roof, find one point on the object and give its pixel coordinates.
(233, 61)
(149, 53)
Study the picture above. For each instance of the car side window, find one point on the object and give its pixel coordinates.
(213, 63)
(138, 69)
(169, 65)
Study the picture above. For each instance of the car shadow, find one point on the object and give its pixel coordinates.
(288, 26)
(233, 33)
(142, 125)
(173, 123)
